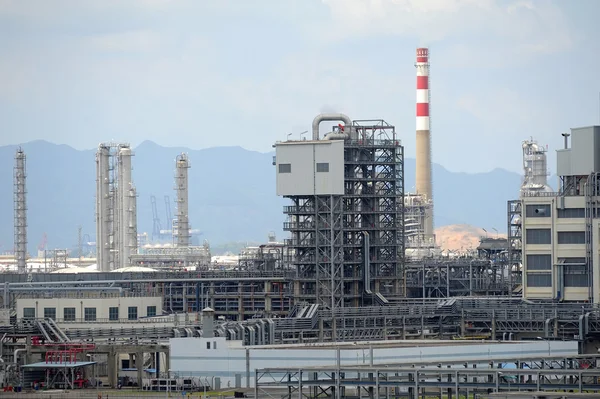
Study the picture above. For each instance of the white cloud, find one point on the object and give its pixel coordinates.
(128, 42)
(527, 26)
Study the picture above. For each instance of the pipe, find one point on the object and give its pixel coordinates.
(122, 281)
(17, 354)
(328, 117)
(335, 136)
(119, 289)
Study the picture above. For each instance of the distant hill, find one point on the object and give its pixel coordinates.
(232, 193)
(462, 237)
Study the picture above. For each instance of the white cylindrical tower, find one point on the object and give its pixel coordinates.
(103, 209)
(20, 221)
(423, 142)
(182, 165)
(126, 208)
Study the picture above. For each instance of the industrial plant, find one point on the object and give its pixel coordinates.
(356, 302)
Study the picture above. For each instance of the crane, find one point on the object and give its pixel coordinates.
(168, 212)
(156, 227)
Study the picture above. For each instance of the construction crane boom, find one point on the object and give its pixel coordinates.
(156, 227)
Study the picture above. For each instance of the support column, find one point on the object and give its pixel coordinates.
(168, 363)
(139, 365)
(267, 290)
(111, 362)
(493, 337)
(240, 302)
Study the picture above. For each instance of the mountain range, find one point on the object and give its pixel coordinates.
(232, 193)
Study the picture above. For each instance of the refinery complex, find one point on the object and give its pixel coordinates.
(356, 302)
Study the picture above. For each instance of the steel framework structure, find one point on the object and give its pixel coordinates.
(182, 164)
(348, 250)
(515, 240)
(439, 278)
(20, 210)
(433, 380)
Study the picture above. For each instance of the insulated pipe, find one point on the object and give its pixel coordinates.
(17, 354)
(328, 117)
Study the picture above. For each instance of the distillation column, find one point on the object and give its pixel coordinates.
(423, 142)
(20, 222)
(103, 209)
(127, 208)
(182, 164)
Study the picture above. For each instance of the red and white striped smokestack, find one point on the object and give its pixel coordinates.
(423, 143)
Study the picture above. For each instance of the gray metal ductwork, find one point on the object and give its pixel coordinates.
(328, 117)
(208, 326)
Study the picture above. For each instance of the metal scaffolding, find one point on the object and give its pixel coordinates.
(20, 207)
(348, 249)
(515, 247)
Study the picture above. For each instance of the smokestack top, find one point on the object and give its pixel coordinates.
(422, 54)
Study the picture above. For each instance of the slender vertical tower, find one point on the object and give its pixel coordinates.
(127, 208)
(423, 144)
(103, 209)
(182, 164)
(20, 198)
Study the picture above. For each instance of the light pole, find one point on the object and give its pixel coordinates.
(303, 133)
(493, 228)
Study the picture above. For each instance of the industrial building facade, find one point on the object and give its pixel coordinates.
(560, 229)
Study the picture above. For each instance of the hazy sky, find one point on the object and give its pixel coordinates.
(248, 72)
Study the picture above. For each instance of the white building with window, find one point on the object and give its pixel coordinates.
(84, 308)
(561, 230)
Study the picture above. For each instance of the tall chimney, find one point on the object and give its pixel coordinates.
(423, 144)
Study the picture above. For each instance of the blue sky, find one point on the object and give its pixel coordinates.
(248, 72)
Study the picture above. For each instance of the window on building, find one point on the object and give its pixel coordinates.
(539, 280)
(571, 237)
(575, 276)
(571, 261)
(151, 311)
(538, 236)
(113, 313)
(132, 313)
(285, 168)
(208, 345)
(29, 313)
(89, 314)
(537, 211)
(214, 344)
(571, 213)
(323, 167)
(50, 313)
(69, 314)
(539, 262)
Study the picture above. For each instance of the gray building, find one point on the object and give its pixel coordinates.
(560, 230)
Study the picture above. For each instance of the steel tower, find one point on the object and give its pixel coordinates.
(182, 164)
(20, 207)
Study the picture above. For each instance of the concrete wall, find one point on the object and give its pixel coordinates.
(303, 157)
(101, 304)
(192, 357)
